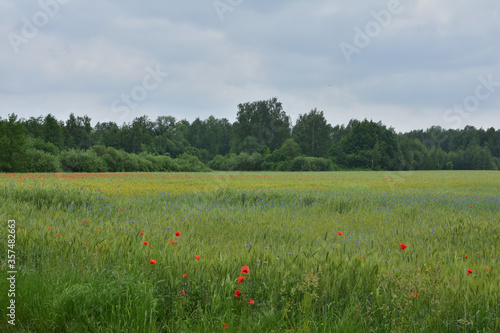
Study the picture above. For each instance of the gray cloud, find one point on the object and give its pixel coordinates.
(427, 58)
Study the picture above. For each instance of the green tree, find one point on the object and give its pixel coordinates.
(53, 131)
(264, 120)
(313, 134)
(13, 147)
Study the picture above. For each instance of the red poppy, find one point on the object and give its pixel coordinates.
(122, 208)
(469, 271)
(182, 292)
(57, 235)
(184, 275)
(225, 326)
(237, 293)
(20, 227)
(145, 243)
(197, 257)
(240, 279)
(403, 246)
(245, 270)
(152, 261)
(251, 301)
(172, 242)
(415, 295)
(466, 256)
(340, 233)
(98, 230)
(142, 232)
(85, 222)
(178, 234)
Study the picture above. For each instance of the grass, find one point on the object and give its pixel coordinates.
(82, 265)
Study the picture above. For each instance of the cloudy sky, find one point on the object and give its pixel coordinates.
(409, 63)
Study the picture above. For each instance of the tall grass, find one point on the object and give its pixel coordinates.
(91, 272)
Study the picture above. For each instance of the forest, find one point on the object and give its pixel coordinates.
(262, 138)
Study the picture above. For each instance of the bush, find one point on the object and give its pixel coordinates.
(81, 161)
(303, 163)
(41, 161)
(188, 163)
(219, 162)
(245, 162)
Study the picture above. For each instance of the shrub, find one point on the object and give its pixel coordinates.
(41, 161)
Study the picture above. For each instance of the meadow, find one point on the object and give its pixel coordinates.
(253, 252)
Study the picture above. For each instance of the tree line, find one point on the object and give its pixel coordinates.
(262, 138)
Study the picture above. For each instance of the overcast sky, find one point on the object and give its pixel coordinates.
(410, 63)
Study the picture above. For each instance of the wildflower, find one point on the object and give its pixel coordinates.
(145, 243)
(178, 234)
(152, 261)
(225, 326)
(172, 242)
(469, 271)
(251, 301)
(237, 293)
(57, 235)
(142, 232)
(245, 270)
(466, 256)
(184, 275)
(403, 246)
(340, 233)
(84, 221)
(197, 257)
(415, 295)
(182, 292)
(98, 230)
(240, 279)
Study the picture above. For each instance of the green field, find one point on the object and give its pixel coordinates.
(323, 251)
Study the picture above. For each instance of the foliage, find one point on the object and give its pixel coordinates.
(262, 138)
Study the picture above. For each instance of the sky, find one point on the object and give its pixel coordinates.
(410, 64)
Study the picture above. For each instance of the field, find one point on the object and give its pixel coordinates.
(325, 252)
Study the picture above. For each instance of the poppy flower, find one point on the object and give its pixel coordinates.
(197, 257)
(403, 246)
(251, 301)
(340, 233)
(469, 271)
(145, 243)
(84, 222)
(142, 232)
(184, 275)
(225, 326)
(237, 293)
(182, 292)
(245, 270)
(466, 256)
(122, 208)
(240, 279)
(152, 261)
(98, 230)
(178, 234)
(20, 227)
(57, 235)
(415, 295)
